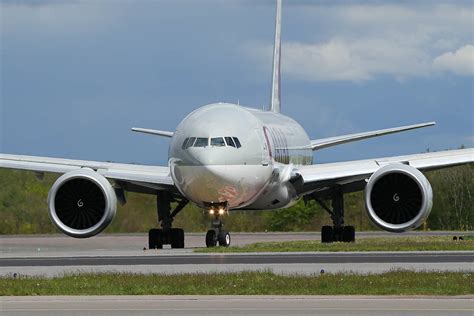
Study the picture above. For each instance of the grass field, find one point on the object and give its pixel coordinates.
(419, 243)
(244, 283)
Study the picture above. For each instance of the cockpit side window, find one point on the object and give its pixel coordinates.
(230, 141)
(190, 142)
(184, 143)
(237, 142)
(201, 142)
(217, 141)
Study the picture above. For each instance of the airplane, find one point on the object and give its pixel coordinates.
(224, 157)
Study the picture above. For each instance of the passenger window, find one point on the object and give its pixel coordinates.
(201, 142)
(190, 142)
(184, 143)
(237, 142)
(230, 141)
(217, 141)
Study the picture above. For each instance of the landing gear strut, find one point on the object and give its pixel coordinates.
(337, 232)
(216, 234)
(166, 235)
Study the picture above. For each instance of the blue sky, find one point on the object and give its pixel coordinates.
(77, 75)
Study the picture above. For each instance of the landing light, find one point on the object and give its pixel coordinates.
(211, 212)
(221, 211)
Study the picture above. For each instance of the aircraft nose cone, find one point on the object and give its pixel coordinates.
(206, 183)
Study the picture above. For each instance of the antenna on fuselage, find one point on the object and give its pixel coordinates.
(275, 103)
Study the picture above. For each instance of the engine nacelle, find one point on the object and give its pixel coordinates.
(398, 198)
(82, 203)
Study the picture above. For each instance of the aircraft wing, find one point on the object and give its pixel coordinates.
(149, 176)
(351, 175)
(337, 140)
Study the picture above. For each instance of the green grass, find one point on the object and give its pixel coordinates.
(244, 283)
(420, 243)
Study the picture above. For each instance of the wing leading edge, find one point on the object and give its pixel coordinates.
(343, 173)
(337, 140)
(159, 177)
(152, 132)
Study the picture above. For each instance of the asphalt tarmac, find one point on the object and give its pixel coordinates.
(130, 244)
(57, 255)
(236, 305)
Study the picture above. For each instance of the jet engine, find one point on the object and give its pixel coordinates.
(398, 198)
(82, 203)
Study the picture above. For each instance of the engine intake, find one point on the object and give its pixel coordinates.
(398, 198)
(82, 203)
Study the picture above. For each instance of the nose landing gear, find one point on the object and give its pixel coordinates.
(217, 235)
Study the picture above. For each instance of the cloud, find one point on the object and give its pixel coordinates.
(340, 59)
(334, 60)
(460, 62)
(360, 42)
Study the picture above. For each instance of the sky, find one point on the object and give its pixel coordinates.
(77, 75)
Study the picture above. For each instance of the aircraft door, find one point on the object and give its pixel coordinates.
(266, 141)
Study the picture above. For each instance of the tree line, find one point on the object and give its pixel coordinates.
(23, 208)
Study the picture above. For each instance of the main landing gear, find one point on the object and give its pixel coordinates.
(216, 234)
(337, 232)
(166, 235)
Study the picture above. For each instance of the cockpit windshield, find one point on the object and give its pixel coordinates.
(201, 142)
(213, 142)
(218, 141)
(230, 142)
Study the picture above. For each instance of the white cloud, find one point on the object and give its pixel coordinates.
(360, 42)
(360, 60)
(460, 62)
(334, 60)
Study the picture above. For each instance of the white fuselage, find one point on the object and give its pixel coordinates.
(226, 153)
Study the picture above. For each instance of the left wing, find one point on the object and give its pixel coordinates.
(149, 176)
(351, 175)
(337, 140)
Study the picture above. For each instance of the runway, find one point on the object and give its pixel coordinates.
(246, 258)
(132, 244)
(56, 255)
(235, 305)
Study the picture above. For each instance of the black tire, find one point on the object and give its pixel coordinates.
(327, 234)
(177, 238)
(348, 234)
(211, 238)
(155, 239)
(224, 238)
(338, 234)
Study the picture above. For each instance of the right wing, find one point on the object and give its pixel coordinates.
(153, 132)
(152, 177)
(351, 175)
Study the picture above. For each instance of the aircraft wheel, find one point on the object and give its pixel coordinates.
(211, 238)
(224, 238)
(155, 239)
(177, 238)
(348, 234)
(326, 234)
